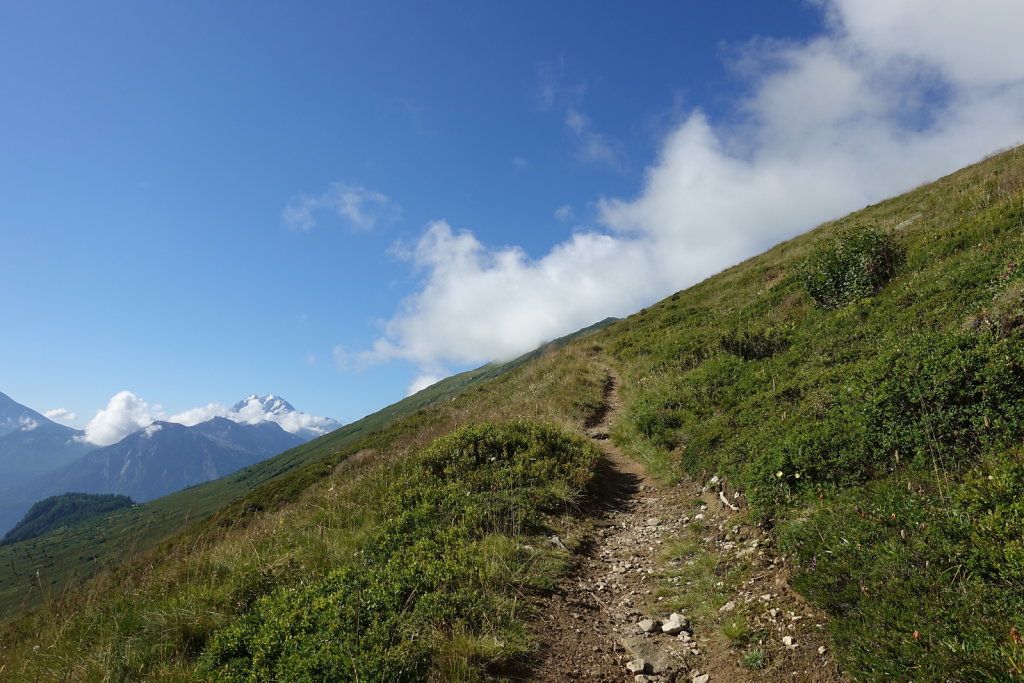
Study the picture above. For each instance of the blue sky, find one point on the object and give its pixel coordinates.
(335, 202)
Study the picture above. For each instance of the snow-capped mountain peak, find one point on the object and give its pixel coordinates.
(267, 405)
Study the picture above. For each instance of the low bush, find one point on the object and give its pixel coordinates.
(433, 572)
(854, 265)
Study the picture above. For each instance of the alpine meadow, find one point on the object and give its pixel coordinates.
(839, 418)
(512, 342)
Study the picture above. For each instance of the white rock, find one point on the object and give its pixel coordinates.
(654, 521)
(698, 517)
(789, 642)
(728, 607)
(636, 666)
(703, 678)
(648, 625)
(675, 623)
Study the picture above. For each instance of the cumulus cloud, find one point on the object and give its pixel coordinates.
(61, 415)
(893, 94)
(27, 424)
(422, 381)
(125, 413)
(360, 207)
(564, 213)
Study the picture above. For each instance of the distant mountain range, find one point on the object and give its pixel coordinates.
(40, 458)
(31, 444)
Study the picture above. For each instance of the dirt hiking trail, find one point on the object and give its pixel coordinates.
(611, 621)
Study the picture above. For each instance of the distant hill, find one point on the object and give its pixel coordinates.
(63, 510)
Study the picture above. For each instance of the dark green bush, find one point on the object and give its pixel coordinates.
(946, 398)
(856, 264)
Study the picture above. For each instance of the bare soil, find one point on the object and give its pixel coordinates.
(589, 628)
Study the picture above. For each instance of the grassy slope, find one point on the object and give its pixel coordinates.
(150, 616)
(41, 569)
(881, 440)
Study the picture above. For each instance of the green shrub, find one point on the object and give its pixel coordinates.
(946, 398)
(856, 264)
(428, 577)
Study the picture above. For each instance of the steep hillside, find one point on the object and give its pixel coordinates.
(844, 412)
(67, 557)
(879, 434)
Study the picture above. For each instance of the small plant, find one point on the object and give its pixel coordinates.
(855, 265)
(736, 629)
(755, 659)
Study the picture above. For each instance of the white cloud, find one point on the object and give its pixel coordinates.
(61, 415)
(194, 416)
(360, 207)
(520, 162)
(125, 413)
(422, 381)
(27, 423)
(892, 95)
(152, 429)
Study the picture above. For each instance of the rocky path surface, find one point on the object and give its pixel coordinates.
(611, 620)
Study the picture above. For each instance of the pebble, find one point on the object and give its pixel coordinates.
(702, 678)
(648, 625)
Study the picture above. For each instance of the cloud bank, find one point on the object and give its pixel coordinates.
(893, 94)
